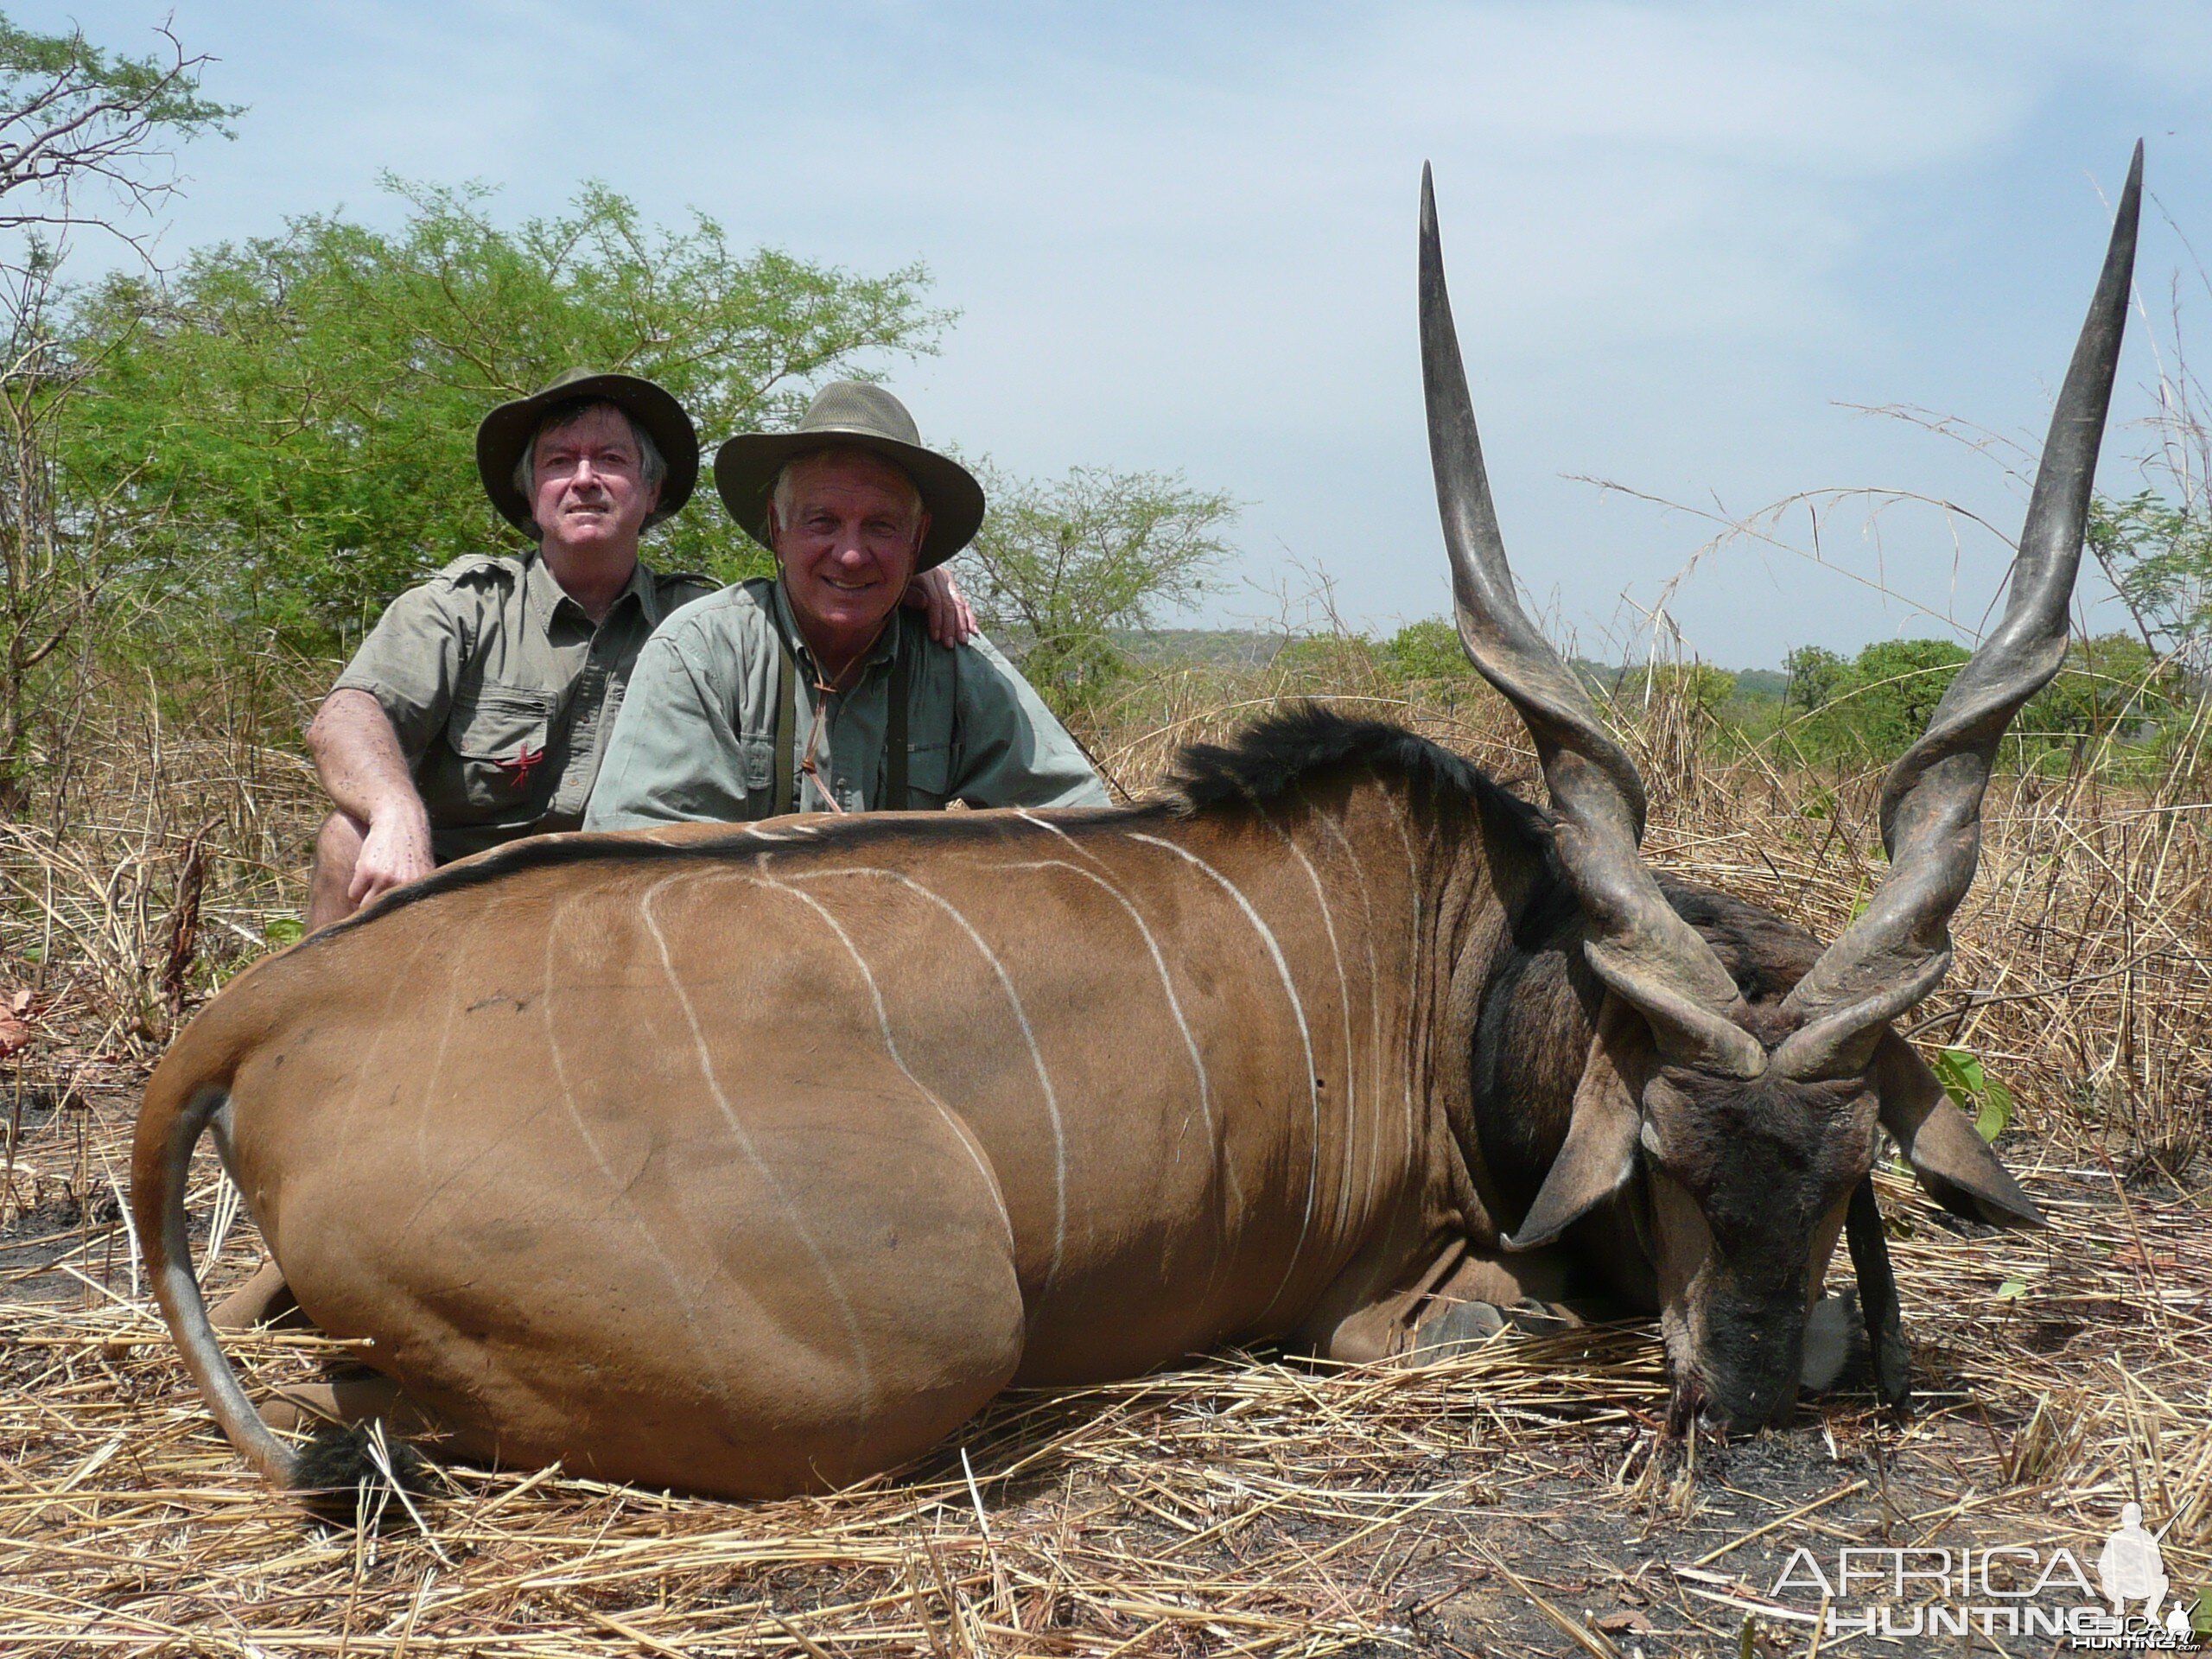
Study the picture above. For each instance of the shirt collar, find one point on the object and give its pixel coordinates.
(546, 599)
(885, 648)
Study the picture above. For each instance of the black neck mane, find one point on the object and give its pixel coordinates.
(1278, 753)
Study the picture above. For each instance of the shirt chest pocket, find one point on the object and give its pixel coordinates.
(499, 735)
(929, 775)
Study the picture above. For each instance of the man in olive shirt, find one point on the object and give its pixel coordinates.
(811, 692)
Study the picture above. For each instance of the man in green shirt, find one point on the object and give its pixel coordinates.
(476, 711)
(811, 692)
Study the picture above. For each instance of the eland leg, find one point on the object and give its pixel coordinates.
(264, 1300)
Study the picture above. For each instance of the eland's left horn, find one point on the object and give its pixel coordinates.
(1898, 951)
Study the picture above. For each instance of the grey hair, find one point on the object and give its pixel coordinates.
(779, 495)
(652, 466)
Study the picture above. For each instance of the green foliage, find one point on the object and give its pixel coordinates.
(73, 116)
(84, 138)
(1698, 687)
(2113, 686)
(1866, 711)
(1428, 652)
(1885, 699)
(1059, 567)
(2160, 556)
(1973, 1090)
(1815, 679)
(1423, 658)
(298, 412)
(65, 77)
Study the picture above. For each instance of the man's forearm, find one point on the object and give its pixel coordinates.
(358, 757)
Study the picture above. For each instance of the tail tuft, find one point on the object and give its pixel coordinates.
(349, 1474)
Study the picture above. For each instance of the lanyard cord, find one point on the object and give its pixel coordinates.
(817, 726)
(823, 693)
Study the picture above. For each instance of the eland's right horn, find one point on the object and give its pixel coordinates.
(1638, 945)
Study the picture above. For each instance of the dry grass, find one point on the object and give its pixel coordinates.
(1514, 1501)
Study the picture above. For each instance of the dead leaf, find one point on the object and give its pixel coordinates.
(14, 1034)
(20, 1004)
(1630, 1623)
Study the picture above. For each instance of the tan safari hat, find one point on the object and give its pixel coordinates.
(500, 438)
(850, 412)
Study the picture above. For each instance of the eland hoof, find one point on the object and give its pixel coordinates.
(1456, 1327)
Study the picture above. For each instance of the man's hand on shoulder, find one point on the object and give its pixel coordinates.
(952, 620)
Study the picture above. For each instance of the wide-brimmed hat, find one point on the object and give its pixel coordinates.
(850, 413)
(501, 439)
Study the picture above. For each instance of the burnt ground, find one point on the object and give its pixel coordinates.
(1516, 1501)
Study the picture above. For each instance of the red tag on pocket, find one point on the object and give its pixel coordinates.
(520, 768)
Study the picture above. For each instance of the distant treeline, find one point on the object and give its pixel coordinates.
(2113, 692)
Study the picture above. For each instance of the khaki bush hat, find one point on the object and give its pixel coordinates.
(850, 412)
(500, 438)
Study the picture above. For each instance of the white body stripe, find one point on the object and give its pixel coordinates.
(1227, 1167)
(1305, 1038)
(1029, 1036)
(708, 1371)
(891, 1047)
(1412, 944)
(1345, 1171)
(1374, 1006)
(744, 1140)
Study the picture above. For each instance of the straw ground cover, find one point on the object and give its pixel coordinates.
(1516, 1500)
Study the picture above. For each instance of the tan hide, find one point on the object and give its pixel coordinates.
(749, 1161)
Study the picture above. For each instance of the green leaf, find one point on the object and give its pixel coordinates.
(1973, 1090)
(2012, 1290)
(1996, 1114)
(1962, 1074)
(285, 929)
(373, 346)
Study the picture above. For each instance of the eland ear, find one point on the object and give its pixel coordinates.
(1953, 1164)
(1599, 1157)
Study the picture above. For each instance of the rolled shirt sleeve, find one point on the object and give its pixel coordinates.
(411, 663)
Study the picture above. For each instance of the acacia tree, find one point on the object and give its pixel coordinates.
(297, 412)
(1062, 566)
(85, 134)
(84, 138)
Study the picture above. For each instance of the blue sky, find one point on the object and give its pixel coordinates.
(1683, 238)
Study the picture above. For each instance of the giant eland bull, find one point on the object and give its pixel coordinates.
(746, 1160)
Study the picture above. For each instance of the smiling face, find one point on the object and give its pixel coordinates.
(588, 487)
(847, 528)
